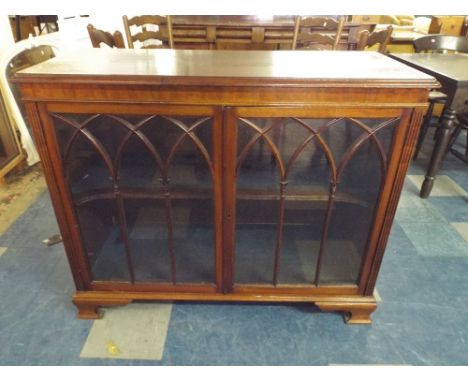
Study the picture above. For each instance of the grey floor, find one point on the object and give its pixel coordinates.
(420, 320)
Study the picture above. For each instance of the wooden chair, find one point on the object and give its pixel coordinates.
(98, 36)
(441, 44)
(163, 34)
(317, 33)
(436, 44)
(367, 39)
(462, 125)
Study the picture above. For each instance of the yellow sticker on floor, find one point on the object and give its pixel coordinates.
(135, 331)
(112, 348)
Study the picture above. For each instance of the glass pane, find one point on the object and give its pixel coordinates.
(194, 240)
(257, 205)
(138, 166)
(358, 189)
(285, 162)
(147, 235)
(85, 167)
(155, 173)
(287, 169)
(102, 237)
(255, 240)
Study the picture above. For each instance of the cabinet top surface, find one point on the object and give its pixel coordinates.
(204, 67)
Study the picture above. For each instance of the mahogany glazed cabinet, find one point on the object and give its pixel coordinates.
(225, 176)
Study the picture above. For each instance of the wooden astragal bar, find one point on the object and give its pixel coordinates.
(225, 176)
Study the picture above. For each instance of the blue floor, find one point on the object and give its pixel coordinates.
(421, 319)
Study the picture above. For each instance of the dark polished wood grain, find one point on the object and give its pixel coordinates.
(451, 70)
(219, 115)
(230, 68)
(451, 67)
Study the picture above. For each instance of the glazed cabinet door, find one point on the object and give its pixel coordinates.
(143, 186)
(302, 188)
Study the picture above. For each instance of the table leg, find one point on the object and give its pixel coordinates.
(440, 149)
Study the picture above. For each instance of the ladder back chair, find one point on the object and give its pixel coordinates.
(317, 33)
(367, 39)
(436, 44)
(149, 28)
(98, 36)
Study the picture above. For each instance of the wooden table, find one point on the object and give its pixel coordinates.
(225, 176)
(451, 70)
(267, 32)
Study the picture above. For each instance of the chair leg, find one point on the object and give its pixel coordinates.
(424, 128)
(455, 135)
(466, 146)
(439, 124)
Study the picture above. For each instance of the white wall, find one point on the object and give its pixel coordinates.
(6, 34)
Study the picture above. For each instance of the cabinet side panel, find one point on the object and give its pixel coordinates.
(38, 119)
(403, 148)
